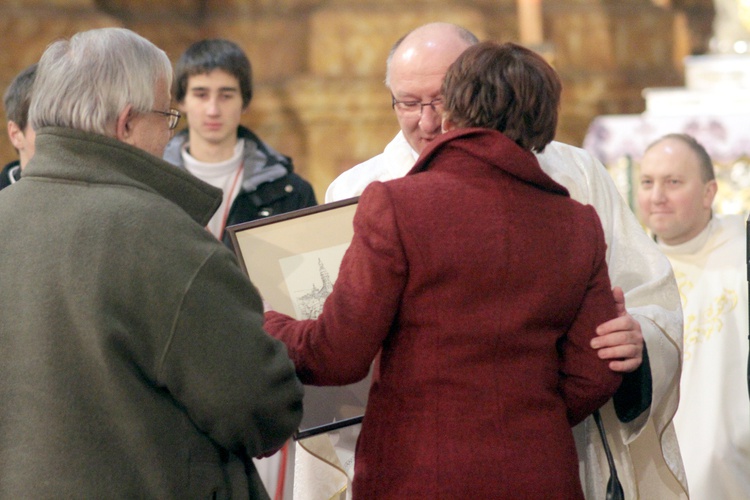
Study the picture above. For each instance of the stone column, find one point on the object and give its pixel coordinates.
(606, 53)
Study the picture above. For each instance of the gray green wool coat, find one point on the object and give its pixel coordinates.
(133, 363)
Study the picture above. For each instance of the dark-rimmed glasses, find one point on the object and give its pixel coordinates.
(416, 108)
(173, 117)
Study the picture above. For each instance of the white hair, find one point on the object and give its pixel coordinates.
(85, 82)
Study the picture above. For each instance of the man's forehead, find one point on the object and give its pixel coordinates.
(216, 79)
(672, 159)
(417, 89)
(221, 88)
(421, 69)
(421, 78)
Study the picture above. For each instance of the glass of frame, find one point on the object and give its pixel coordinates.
(293, 259)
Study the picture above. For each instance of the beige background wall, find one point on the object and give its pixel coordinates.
(319, 64)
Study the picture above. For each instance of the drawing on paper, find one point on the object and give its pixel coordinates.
(309, 277)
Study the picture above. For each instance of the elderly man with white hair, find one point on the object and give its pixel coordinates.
(133, 359)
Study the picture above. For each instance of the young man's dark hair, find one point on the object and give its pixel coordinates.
(18, 97)
(16, 101)
(207, 55)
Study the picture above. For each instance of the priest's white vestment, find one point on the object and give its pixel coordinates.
(713, 417)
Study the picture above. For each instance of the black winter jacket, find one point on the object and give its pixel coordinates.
(269, 184)
(10, 174)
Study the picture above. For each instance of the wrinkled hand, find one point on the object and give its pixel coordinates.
(620, 339)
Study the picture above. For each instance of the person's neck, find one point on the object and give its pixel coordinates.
(207, 152)
(697, 237)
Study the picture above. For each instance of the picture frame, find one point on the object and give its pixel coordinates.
(293, 259)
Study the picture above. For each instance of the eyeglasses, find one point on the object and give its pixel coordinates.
(173, 117)
(416, 108)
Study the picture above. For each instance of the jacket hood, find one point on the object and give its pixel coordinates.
(262, 163)
(94, 158)
(10, 174)
(494, 148)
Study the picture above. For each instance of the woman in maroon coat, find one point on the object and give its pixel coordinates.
(480, 284)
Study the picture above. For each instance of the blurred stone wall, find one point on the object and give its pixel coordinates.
(319, 64)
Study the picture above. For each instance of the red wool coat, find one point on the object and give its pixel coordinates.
(481, 283)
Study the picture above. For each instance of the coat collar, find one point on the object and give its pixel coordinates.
(74, 155)
(494, 148)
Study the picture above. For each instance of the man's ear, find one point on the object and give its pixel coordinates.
(709, 193)
(16, 135)
(124, 125)
(447, 125)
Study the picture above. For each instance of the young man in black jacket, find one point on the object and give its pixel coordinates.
(213, 88)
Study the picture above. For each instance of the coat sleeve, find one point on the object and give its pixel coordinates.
(339, 347)
(235, 381)
(586, 381)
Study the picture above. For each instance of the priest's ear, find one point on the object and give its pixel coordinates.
(709, 193)
(447, 124)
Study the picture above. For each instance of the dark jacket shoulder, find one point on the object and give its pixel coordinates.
(10, 174)
(269, 184)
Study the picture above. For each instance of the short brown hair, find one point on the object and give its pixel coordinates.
(504, 87)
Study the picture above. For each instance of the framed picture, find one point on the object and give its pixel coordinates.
(293, 259)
